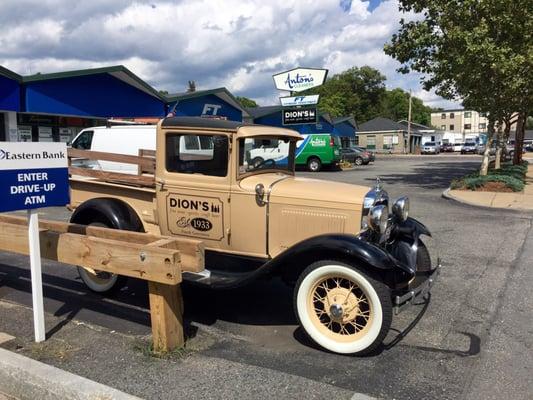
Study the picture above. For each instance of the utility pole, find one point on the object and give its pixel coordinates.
(409, 124)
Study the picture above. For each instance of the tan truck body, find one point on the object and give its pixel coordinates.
(298, 208)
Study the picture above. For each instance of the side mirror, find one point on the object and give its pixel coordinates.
(260, 194)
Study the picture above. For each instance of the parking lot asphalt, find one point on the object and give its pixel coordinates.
(477, 320)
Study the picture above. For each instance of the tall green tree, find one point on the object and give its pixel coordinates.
(477, 51)
(356, 91)
(395, 105)
(246, 102)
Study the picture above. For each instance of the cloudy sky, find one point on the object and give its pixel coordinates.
(234, 43)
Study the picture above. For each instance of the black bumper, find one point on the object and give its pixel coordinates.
(402, 301)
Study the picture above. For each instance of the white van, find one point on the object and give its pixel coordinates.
(121, 139)
(129, 139)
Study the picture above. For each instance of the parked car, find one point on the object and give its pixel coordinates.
(447, 148)
(355, 156)
(371, 153)
(469, 147)
(430, 148)
(458, 146)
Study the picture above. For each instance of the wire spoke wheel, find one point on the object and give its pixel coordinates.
(341, 308)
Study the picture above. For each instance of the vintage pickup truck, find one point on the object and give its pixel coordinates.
(352, 261)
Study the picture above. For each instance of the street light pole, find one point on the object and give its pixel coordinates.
(409, 124)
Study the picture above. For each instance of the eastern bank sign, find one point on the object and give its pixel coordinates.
(33, 175)
(299, 79)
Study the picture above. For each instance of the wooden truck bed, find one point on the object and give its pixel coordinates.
(136, 190)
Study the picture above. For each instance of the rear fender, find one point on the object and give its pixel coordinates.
(116, 213)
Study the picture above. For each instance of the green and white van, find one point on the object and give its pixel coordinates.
(318, 150)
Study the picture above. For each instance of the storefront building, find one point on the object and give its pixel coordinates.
(56, 106)
(387, 136)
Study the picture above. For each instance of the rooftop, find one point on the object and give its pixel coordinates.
(380, 124)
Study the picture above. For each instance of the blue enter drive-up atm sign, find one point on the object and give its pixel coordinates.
(33, 175)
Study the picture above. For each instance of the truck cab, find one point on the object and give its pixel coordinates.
(351, 260)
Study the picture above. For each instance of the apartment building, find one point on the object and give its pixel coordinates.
(469, 124)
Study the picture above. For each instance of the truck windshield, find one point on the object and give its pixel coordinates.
(266, 153)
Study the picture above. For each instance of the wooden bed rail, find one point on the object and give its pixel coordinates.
(145, 170)
(157, 259)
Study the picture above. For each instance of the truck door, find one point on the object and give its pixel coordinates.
(249, 218)
(193, 187)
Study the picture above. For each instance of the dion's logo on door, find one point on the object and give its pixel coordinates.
(195, 216)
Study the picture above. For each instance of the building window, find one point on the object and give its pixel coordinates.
(371, 142)
(452, 115)
(387, 142)
(452, 127)
(483, 126)
(468, 126)
(483, 115)
(468, 114)
(443, 127)
(443, 116)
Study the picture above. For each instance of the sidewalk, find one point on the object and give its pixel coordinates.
(513, 201)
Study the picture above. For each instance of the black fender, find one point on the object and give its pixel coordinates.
(115, 212)
(343, 247)
(404, 247)
(412, 228)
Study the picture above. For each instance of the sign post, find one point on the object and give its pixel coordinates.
(32, 176)
(36, 275)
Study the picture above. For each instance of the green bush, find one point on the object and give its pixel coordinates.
(513, 176)
(511, 182)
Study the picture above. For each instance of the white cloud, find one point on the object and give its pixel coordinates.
(234, 43)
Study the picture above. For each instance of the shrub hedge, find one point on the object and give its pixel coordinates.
(513, 176)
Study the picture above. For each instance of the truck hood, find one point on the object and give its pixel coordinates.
(297, 190)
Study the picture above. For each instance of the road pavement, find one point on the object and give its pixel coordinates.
(473, 335)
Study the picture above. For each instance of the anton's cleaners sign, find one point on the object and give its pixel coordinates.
(299, 79)
(33, 175)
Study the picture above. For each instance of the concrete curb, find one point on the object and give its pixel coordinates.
(24, 378)
(446, 194)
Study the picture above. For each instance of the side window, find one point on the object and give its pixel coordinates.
(197, 154)
(84, 141)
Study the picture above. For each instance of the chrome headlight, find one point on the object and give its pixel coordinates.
(378, 218)
(400, 208)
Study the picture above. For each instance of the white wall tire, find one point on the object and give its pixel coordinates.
(364, 305)
(97, 281)
(100, 281)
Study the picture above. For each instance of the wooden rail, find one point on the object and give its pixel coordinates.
(145, 162)
(156, 259)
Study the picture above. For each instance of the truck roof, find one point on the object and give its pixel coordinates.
(199, 122)
(243, 129)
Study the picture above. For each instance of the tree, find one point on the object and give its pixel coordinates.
(191, 87)
(356, 91)
(395, 105)
(477, 51)
(246, 102)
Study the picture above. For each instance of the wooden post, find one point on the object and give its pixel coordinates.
(166, 313)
